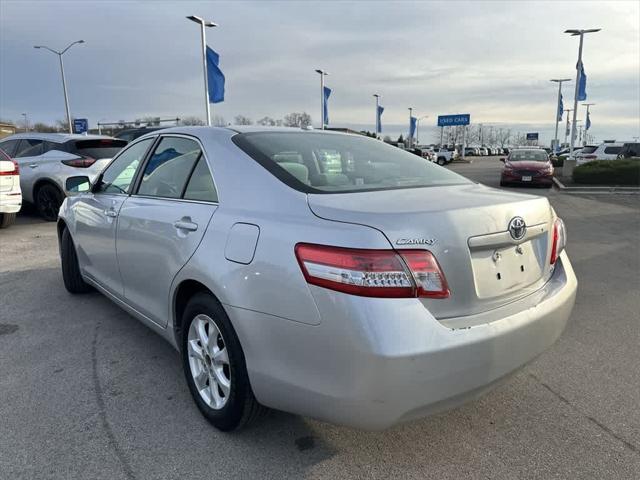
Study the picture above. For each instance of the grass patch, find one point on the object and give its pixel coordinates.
(608, 172)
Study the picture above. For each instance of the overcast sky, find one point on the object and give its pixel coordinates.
(490, 59)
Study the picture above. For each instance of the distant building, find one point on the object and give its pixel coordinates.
(7, 129)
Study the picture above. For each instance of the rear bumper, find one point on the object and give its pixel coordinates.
(10, 203)
(373, 363)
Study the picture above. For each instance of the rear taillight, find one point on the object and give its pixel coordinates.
(373, 273)
(15, 171)
(559, 240)
(82, 162)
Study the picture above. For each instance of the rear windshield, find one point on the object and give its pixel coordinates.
(97, 148)
(528, 156)
(315, 162)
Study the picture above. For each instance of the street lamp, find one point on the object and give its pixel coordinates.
(559, 81)
(322, 74)
(377, 107)
(204, 23)
(26, 122)
(580, 33)
(64, 82)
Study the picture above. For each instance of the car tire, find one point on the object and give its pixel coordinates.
(503, 183)
(442, 161)
(7, 219)
(218, 381)
(73, 281)
(48, 199)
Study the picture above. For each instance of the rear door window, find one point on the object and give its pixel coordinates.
(29, 148)
(588, 149)
(612, 150)
(98, 148)
(169, 167)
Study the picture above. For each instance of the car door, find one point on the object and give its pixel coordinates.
(96, 217)
(28, 156)
(162, 223)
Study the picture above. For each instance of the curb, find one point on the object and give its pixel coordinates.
(596, 189)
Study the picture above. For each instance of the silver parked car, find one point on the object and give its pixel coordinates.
(46, 160)
(320, 273)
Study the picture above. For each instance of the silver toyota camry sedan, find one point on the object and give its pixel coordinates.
(324, 274)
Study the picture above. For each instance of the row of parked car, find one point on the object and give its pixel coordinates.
(34, 167)
(603, 151)
(485, 151)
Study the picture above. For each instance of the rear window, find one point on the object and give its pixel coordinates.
(97, 148)
(588, 149)
(528, 156)
(315, 162)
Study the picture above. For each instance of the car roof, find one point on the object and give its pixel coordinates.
(53, 137)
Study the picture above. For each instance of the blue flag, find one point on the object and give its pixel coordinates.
(560, 109)
(587, 125)
(379, 119)
(325, 113)
(582, 85)
(412, 126)
(215, 77)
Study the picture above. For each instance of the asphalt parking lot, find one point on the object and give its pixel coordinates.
(88, 392)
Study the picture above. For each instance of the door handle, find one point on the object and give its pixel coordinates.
(185, 225)
(111, 213)
(33, 165)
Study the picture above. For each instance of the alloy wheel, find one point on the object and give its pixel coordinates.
(209, 362)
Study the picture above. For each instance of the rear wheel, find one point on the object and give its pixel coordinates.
(48, 199)
(214, 365)
(71, 276)
(7, 219)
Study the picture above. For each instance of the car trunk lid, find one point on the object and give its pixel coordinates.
(466, 228)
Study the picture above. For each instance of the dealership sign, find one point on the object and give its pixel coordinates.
(80, 125)
(450, 120)
(532, 136)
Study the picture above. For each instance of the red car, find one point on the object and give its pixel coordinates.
(527, 166)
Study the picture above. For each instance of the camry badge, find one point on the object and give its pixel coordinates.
(517, 228)
(415, 241)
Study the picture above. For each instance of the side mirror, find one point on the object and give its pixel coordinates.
(503, 160)
(79, 184)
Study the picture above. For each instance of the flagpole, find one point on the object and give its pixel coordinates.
(322, 75)
(377, 106)
(559, 82)
(566, 131)
(578, 72)
(586, 119)
(203, 23)
(410, 134)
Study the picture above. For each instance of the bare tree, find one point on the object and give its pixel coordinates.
(242, 120)
(296, 119)
(43, 128)
(219, 121)
(191, 121)
(268, 122)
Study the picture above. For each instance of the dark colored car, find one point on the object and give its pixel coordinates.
(629, 150)
(133, 133)
(527, 167)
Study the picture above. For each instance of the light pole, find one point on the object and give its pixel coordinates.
(322, 74)
(578, 71)
(64, 82)
(410, 136)
(559, 81)
(26, 122)
(586, 121)
(566, 131)
(204, 23)
(377, 107)
(418, 128)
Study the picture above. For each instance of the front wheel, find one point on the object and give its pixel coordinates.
(7, 219)
(48, 199)
(442, 161)
(73, 281)
(214, 366)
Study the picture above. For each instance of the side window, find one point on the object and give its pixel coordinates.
(201, 186)
(9, 146)
(119, 174)
(168, 169)
(612, 150)
(29, 148)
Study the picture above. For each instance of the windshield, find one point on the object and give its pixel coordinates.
(528, 156)
(315, 162)
(97, 148)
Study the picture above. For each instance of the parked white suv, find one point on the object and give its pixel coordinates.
(444, 155)
(10, 193)
(604, 151)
